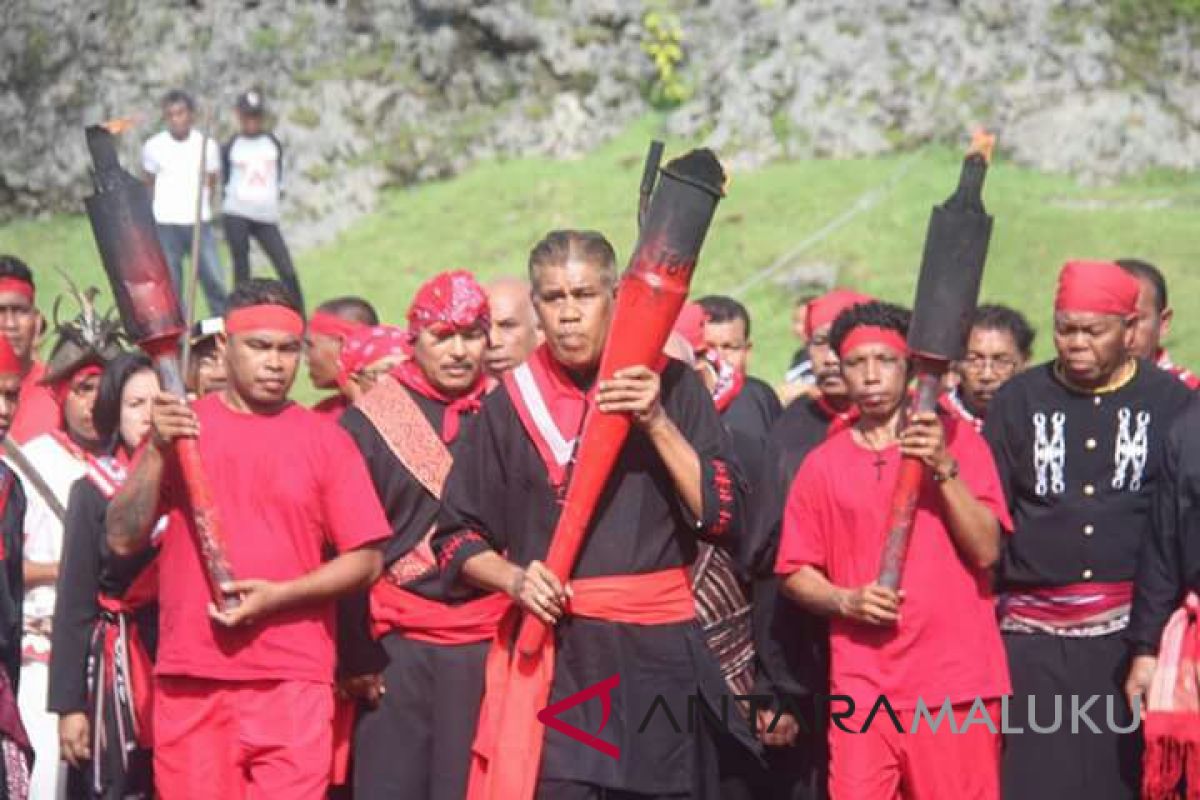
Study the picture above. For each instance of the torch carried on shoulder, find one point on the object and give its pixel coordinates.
(651, 293)
(123, 224)
(947, 291)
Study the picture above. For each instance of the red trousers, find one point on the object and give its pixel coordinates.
(242, 740)
(884, 764)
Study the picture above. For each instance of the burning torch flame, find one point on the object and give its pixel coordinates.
(982, 143)
(121, 124)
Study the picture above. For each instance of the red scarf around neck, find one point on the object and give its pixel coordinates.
(414, 379)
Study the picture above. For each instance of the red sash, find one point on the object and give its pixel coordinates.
(391, 409)
(125, 659)
(507, 752)
(396, 609)
(1171, 718)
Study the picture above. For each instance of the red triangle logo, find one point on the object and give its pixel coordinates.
(548, 716)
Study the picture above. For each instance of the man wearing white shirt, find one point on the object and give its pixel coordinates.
(171, 161)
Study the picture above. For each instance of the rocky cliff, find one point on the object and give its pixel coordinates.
(368, 93)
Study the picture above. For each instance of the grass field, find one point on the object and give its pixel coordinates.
(487, 220)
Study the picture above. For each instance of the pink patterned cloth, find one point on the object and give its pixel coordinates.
(364, 347)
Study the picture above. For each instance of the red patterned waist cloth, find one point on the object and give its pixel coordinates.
(1077, 610)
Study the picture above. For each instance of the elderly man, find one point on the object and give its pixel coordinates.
(999, 346)
(629, 610)
(1077, 441)
(514, 334)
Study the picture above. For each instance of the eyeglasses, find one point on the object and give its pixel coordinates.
(1001, 365)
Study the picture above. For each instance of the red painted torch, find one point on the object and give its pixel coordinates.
(123, 225)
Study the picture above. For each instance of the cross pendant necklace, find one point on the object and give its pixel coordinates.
(880, 462)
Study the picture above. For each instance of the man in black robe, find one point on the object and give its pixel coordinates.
(16, 753)
(755, 406)
(626, 626)
(1077, 442)
(415, 660)
(1168, 571)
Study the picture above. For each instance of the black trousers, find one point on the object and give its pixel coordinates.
(238, 231)
(417, 743)
(1066, 764)
(567, 790)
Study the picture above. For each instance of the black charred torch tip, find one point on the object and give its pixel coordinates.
(701, 168)
(107, 173)
(969, 194)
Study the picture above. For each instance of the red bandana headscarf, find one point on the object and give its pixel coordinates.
(1099, 287)
(367, 345)
(449, 302)
(825, 309)
(64, 387)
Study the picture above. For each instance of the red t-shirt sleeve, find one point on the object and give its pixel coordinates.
(977, 468)
(802, 541)
(353, 515)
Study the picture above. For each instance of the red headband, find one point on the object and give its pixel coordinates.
(825, 309)
(17, 286)
(268, 317)
(63, 387)
(872, 334)
(1100, 287)
(449, 301)
(327, 324)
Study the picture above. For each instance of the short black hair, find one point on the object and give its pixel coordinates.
(874, 314)
(995, 317)
(13, 267)
(106, 413)
(262, 292)
(175, 96)
(351, 308)
(720, 308)
(1144, 270)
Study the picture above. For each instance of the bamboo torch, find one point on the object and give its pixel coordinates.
(123, 224)
(947, 291)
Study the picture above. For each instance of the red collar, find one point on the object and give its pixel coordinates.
(551, 407)
(414, 379)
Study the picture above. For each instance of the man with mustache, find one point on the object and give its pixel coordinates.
(21, 323)
(627, 609)
(1078, 443)
(414, 658)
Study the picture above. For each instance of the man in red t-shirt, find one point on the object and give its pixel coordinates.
(243, 703)
(37, 411)
(935, 640)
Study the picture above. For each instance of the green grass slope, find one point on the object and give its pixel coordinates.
(487, 219)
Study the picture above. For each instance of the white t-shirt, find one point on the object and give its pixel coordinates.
(252, 188)
(60, 469)
(175, 166)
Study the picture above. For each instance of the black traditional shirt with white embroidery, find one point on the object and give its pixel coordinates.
(1079, 470)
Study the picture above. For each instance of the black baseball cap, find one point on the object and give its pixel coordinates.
(251, 102)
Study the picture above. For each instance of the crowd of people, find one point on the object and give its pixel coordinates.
(724, 632)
